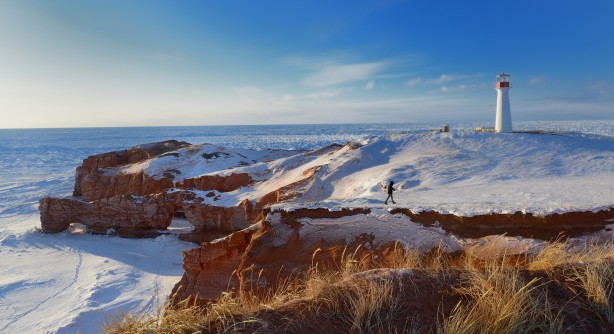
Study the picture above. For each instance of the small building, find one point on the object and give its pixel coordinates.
(485, 129)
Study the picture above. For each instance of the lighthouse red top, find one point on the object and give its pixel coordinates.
(503, 81)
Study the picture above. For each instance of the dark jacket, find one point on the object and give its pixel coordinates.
(390, 188)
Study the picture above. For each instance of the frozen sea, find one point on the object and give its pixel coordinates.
(72, 282)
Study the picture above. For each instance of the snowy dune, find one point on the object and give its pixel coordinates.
(470, 173)
(462, 173)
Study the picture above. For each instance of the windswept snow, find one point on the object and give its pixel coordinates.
(202, 159)
(466, 173)
(462, 173)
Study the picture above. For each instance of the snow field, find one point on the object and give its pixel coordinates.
(73, 282)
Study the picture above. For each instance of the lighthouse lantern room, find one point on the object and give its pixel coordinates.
(503, 121)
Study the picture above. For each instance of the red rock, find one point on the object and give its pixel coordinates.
(99, 186)
(211, 268)
(206, 217)
(255, 259)
(94, 164)
(125, 215)
(217, 182)
(517, 224)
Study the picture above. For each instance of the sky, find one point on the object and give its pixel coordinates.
(74, 63)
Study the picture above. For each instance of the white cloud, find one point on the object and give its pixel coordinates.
(324, 94)
(601, 87)
(414, 81)
(443, 79)
(393, 75)
(370, 85)
(537, 79)
(335, 74)
(249, 90)
(463, 87)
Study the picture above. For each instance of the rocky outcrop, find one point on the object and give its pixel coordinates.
(141, 216)
(211, 268)
(124, 215)
(134, 204)
(287, 243)
(97, 186)
(95, 165)
(517, 224)
(220, 183)
(278, 248)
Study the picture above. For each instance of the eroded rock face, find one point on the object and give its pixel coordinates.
(211, 268)
(219, 218)
(287, 244)
(124, 215)
(217, 182)
(517, 224)
(95, 164)
(280, 247)
(140, 216)
(96, 186)
(114, 192)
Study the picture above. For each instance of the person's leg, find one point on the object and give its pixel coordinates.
(393, 202)
(386, 201)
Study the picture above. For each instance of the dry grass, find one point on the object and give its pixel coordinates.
(499, 301)
(558, 253)
(597, 281)
(497, 296)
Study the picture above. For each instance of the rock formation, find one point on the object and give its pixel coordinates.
(247, 241)
(92, 182)
(137, 192)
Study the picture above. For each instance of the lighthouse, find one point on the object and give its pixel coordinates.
(503, 121)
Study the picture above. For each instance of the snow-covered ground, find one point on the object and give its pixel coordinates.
(468, 173)
(69, 282)
(73, 282)
(463, 173)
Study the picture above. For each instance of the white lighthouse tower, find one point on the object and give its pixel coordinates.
(503, 122)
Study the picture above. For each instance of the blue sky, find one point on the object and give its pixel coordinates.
(140, 63)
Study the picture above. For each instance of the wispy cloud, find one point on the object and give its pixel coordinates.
(370, 85)
(335, 74)
(249, 90)
(414, 81)
(537, 79)
(393, 75)
(441, 79)
(463, 87)
(601, 87)
(324, 94)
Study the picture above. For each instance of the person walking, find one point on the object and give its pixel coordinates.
(390, 190)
